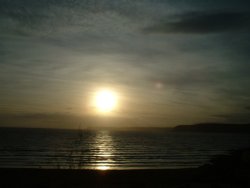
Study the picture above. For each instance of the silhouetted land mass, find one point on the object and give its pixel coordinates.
(215, 127)
(223, 171)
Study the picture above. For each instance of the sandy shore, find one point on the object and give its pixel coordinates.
(41, 178)
(94, 178)
(224, 171)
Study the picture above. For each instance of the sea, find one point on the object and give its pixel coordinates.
(113, 149)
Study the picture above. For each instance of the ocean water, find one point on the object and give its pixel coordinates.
(105, 149)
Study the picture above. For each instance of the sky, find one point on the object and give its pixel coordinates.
(169, 62)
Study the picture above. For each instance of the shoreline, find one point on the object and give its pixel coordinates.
(95, 178)
(202, 177)
(224, 171)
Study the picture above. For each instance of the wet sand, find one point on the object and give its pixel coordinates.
(224, 171)
(94, 178)
(41, 178)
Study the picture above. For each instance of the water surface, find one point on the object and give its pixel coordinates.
(105, 149)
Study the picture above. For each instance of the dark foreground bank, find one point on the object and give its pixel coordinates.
(224, 171)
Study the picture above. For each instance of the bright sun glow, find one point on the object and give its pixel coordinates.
(103, 167)
(105, 100)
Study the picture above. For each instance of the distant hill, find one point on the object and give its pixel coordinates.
(214, 127)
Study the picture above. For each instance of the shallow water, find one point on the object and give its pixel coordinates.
(104, 149)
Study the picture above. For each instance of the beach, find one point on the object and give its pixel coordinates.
(224, 171)
(93, 178)
(178, 178)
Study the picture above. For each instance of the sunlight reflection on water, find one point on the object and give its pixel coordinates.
(104, 150)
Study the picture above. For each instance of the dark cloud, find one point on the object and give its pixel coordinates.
(203, 22)
(32, 13)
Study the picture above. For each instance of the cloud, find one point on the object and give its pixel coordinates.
(61, 120)
(203, 23)
(194, 77)
(54, 53)
(48, 120)
(241, 117)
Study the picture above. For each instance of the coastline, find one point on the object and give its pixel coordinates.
(95, 178)
(224, 171)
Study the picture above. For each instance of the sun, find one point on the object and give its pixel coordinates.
(105, 100)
